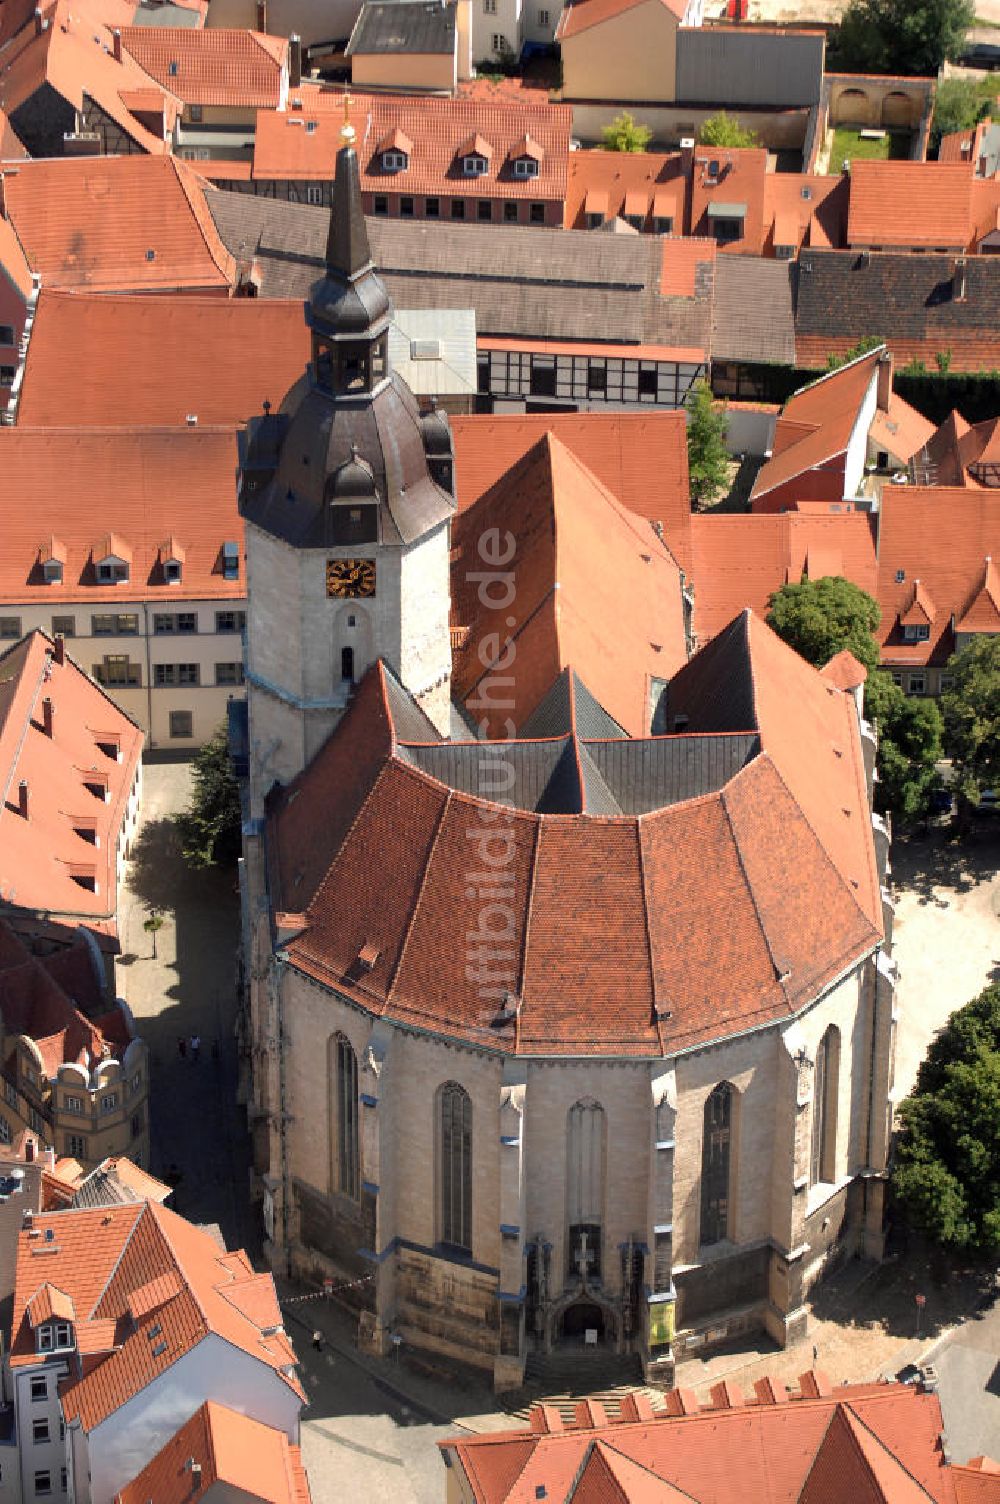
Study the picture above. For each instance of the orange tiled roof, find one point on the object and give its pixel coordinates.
(138, 483)
(228, 356)
(655, 178)
(740, 561)
(901, 431)
(621, 955)
(213, 65)
(581, 15)
(739, 179)
(11, 148)
(888, 204)
(14, 266)
(304, 143)
(100, 1258)
(40, 854)
(74, 56)
(683, 258)
(564, 521)
(844, 670)
(871, 1442)
(256, 1461)
(48, 1302)
(117, 224)
(946, 539)
(640, 457)
(815, 427)
(804, 209)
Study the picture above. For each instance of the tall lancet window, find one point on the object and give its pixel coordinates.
(586, 1154)
(344, 1149)
(826, 1082)
(716, 1217)
(455, 1165)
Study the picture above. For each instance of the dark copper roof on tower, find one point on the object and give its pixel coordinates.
(350, 298)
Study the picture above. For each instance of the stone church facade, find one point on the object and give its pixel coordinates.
(565, 1038)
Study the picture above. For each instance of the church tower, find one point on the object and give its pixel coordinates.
(347, 494)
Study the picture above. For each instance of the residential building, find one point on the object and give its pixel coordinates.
(222, 77)
(959, 454)
(468, 1077)
(125, 1322)
(544, 375)
(230, 355)
(222, 1454)
(138, 568)
(420, 45)
(978, 147)
(834, 433)
(68, 88)
(937, 580)
(622, 50)
(740, 561)
(465, 161)
(885, 211)
(74, 1072)
(816, 1445)
(923, 306)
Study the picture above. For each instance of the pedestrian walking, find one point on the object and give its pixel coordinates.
(182, 1046)
(195, 1043)
(318, 1341)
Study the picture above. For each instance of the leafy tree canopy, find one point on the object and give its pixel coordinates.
(902, 36)
(947, 1168)
(625, 134)
(972, 717)
(708, 457)
(868, 342)
(819, 618)
(210, 829)
(724, 130)
(959, 104)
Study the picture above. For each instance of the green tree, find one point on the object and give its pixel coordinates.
(708, 457)
(902, 36)
(721, 129)
(152, 925)
(868, 342)
(210, 828)
(972, 717)
(946, 1176)
(959, 104)
(819, 618)
(625, 134)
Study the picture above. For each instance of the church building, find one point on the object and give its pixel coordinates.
(570, 1023)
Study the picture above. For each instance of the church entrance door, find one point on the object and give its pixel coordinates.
(579, 1319)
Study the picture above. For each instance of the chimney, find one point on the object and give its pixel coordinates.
(261, 15)
(687, 155)
(958, 285)
(38, 21)
(116, 44)
(294, 61)
(59, 651)
(22, 798)
(29, 1143)
(884, 383)
(48, 710)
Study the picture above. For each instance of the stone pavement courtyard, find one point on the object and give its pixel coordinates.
(378, 1421)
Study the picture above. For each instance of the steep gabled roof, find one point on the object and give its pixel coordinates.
(619, 851)
(256, 1461)
(211, 66)
(816, 424)
(888, 199)
(581, 15)
(581, 561)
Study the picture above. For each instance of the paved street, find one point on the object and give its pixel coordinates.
(968, 1366)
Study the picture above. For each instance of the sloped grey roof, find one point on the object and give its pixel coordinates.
(404, 26)
(752, 318)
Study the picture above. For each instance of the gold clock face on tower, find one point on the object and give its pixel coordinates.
(353, 578)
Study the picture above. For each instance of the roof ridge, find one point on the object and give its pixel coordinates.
(648, 932)
(157, 1210)
(425, 872)
(140, 1208)
(779, 975)
(848, 1406)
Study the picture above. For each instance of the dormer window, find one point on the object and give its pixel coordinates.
(475, 167)
(230, 561)
(526, 167)
(52, 557)
(916, 632)
(112, 572)
(172, 571)
(172, 561)
(395, 161)
(54, 1337)
(53, 571)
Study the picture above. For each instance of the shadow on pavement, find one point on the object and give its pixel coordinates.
(924, 863)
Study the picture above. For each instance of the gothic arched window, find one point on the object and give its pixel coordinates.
(715, 1164)
(826, 1082)
(344, 1151)
(455, 1160)
(586, 1139)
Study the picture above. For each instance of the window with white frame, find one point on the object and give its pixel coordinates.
(526, 167)
(109, 1102)
(543, 18)
(52, 571)
(76, 1146)
(54, 1336)
(39, 1431)
(916, 632)
(39, 1389)
(395, 161)
(475, 166)
(918, 684)
(314, 193)
(112, 571)
(73, 1104)
(43, 1482)
(489, 7)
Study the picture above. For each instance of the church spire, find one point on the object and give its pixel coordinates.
(348, 252)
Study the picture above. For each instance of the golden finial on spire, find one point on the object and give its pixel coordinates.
(347, 132)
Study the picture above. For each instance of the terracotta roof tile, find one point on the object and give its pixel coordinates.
(739, 178)
(641, 458)
(844, 670)
(803, 209)
(792, 819)
(958, 579)
(619, 175)
(581, 560)
(581, 15)
(256, 1461)
(901, 431)
(117, 224)
(304, 143)
(39, 855)
(48, 1302)
(888, 199)
(139, 483)
(213, 65)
